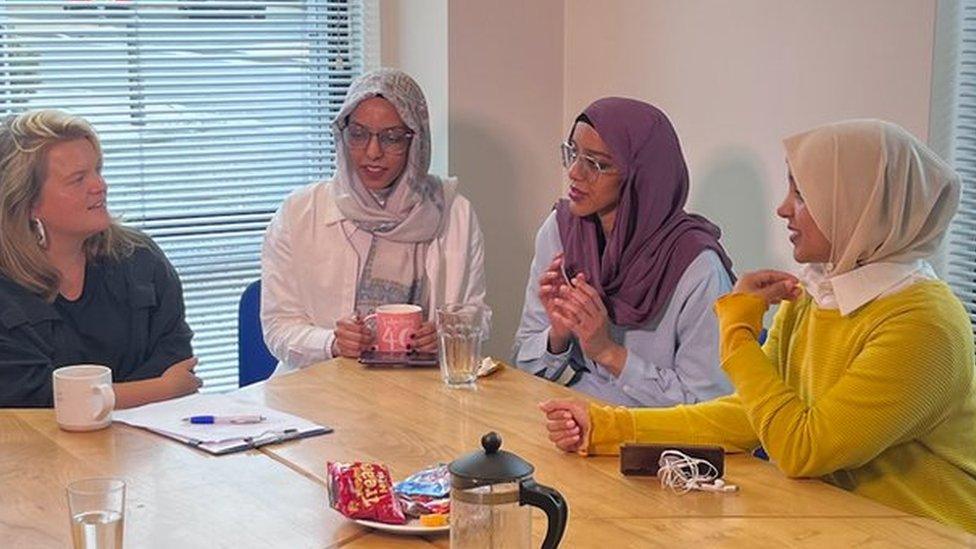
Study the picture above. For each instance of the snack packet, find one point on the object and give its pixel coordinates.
(434, 481)
(363, 491)
(418, 506)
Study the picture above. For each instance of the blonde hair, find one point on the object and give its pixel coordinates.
(25, 140)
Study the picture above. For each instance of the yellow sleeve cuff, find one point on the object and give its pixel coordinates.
(739, 320)
(609, 428)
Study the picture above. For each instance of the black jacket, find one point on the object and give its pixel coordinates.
(133, 322)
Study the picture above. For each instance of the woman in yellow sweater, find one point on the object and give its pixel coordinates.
(867, 377)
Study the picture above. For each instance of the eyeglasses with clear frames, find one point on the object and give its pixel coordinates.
(592, 168)
(391, 140)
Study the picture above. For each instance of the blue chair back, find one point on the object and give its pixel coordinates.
(761, 452)
(254, 361)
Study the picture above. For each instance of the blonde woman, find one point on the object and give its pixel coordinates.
(75, 286)
(866, 379)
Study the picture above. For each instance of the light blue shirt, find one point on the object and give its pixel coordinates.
(673, 359)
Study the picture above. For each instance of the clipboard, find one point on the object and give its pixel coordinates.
(167, 419)
(251, 443)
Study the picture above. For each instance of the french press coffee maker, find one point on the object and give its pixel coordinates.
(491, 490)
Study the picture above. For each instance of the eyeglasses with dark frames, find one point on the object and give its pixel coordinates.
(392, 140)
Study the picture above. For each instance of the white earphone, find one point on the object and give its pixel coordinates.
(682, 474)
(717, 485)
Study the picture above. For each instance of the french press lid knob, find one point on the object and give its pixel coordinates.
(490, 465)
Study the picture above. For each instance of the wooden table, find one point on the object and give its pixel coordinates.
(407, 419)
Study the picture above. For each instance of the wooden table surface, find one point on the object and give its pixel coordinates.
(275, 497)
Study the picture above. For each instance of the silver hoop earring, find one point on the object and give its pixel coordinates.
(40, 233)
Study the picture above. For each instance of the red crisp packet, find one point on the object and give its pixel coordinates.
(363, 491)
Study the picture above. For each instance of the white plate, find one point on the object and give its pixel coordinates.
(411, 528)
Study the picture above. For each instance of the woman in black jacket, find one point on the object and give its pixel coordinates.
(75, 286)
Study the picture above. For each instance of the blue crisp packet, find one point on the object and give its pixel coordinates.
(435, 481)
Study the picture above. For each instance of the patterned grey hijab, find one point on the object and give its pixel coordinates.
(402, 223)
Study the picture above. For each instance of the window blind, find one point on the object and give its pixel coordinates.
(962, 238)
(210, 112)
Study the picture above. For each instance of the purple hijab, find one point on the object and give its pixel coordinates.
(653, 240)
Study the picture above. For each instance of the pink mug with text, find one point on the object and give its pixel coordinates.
(394, 325)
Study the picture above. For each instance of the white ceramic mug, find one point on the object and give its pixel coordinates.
(394, 325)
(83, 397)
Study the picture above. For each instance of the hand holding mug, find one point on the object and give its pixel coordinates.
(424, 339)
(352, 337)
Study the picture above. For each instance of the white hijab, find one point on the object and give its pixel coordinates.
(404, 222)
(876, 192)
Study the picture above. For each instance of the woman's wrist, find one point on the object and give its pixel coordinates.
(609, 427)
(557, 343)
(736, 310)
(740, 317)
(612, 357)
(129, 394)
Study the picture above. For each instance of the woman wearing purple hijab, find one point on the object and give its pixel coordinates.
(619, 299)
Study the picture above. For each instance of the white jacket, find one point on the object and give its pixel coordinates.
(309, 271)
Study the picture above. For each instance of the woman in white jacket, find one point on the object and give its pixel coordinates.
(382, 230)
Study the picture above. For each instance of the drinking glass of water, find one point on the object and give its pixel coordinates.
(97, 508)
(461, 328)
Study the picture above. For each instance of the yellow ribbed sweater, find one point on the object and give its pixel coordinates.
(881, 402)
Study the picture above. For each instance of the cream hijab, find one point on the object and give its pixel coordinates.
(876, 192)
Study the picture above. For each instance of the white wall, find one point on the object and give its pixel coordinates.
(413, 38)
(737, 77)
(506, 71)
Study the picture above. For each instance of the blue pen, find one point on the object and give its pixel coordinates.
(236, 420)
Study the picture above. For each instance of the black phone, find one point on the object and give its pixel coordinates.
(390, 358)
(643, 459)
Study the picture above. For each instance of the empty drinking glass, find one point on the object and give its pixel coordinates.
(461, 328)
(97, 508)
